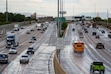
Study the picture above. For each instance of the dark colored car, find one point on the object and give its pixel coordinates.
(34, 37)
(30, 50)
(94, 33)
(97, 36)
(73, 29)
(3, 58)
(100, 46)
(85, 30)
(109, 34)
(102, 31)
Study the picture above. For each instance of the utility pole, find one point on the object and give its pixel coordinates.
(107, 18)
(58, 24)
(73, 13)
(6, 11)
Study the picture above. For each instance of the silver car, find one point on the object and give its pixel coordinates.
(31, 40)
(24, 59)
(13, 50)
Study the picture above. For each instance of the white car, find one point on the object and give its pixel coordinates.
(32, 29)
(13, 50)
(28, 32)
(31, 40)
(24, 59)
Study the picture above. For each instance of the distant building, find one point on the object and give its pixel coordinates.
(33, 16)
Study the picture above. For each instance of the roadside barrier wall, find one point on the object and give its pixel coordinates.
(57, 67)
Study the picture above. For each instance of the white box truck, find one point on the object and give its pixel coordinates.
(12, 40)
(16, 27)
(39, 26)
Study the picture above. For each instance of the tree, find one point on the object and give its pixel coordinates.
(64, 26)
(97, 19)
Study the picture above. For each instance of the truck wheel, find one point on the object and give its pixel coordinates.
(7, 62)
(103, 71)
(93, 70)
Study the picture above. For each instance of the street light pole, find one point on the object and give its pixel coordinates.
(107, 18)
(58, 18)
(6, 11)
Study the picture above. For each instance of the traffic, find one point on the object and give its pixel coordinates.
(86, 49)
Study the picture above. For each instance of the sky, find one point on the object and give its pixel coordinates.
(49, 7)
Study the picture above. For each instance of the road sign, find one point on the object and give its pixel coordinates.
(60, 43)
(61, 19)
(62, 12)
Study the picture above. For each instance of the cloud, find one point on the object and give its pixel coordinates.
(47, 7)
(35, 0)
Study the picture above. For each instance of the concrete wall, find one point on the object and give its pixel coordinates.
(8, 27)
(57, 67)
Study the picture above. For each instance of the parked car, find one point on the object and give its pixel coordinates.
(3, 58)
(97, 66)
(100, 46)
(24, 59)
(13, 50)
(30, 50)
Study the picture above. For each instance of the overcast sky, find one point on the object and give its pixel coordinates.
(49, 7)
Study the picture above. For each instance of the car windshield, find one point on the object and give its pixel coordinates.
(24, 56)
(13, 48)
(3, 56)
(33, 37)
(30, 48)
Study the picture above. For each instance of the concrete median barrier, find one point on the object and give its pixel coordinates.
(57, 67)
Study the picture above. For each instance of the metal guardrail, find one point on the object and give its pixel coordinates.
(57, 67)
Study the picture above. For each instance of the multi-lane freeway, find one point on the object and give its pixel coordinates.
(41, 62)
(77, 63)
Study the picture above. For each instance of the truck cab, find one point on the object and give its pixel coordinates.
(11, 40)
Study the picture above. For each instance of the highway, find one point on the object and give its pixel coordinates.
(45, 45)
(43, 39)
(77, 63)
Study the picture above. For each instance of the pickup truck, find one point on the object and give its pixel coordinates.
(97, 66)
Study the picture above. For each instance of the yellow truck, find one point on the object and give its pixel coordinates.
(78, 46)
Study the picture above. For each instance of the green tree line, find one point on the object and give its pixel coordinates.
(99, 19)
(12, 17)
